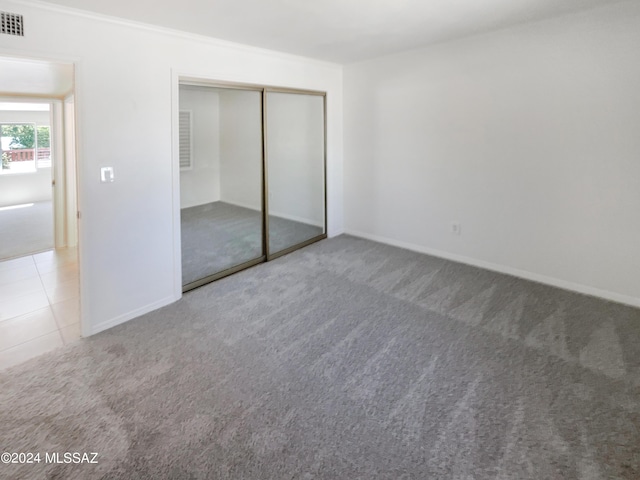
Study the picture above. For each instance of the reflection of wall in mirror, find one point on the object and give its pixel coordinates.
(241, 148)
(201, 184)
(296, 157)
(228, 152)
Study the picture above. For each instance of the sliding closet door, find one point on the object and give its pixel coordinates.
(295, 146)
(221, 194)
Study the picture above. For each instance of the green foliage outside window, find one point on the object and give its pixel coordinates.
(24, 136)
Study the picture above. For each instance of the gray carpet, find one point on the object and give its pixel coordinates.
(344, 360)
(217, 236)
(26, 230)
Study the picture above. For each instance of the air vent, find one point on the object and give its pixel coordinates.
(11, 24)
(186, 140)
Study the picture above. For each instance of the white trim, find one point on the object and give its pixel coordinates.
(173, 32)
(31, 56)
(516, 272)
(70, 167)
(58, 172)
(125, 317)
(85, 286)
(8, 98)
(175, 184)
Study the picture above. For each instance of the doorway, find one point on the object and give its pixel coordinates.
(252, 175)
(26, 199)
(39, 280)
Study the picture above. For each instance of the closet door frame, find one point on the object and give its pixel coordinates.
(266, 256)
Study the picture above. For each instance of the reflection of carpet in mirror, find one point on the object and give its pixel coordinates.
(26, 229)
(218, 235)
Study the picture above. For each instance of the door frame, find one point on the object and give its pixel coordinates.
(76, 92)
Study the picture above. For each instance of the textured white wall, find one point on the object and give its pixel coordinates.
(126, 91)
(201, 184)
(529, 137)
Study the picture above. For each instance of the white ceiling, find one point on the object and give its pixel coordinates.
(35, 78)
(342, 31)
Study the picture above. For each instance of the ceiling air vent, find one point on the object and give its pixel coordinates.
(11, 24)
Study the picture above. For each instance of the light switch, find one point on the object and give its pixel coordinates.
(106, 174)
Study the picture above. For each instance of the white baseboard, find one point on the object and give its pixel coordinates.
(100, 327)
(536, 277)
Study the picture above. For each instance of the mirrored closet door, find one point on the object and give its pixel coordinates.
(221, 195)
(252, 176)
(295, 169)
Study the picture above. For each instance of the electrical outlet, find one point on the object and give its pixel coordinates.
(455, 228)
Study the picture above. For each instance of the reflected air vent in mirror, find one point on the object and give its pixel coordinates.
(11, 24)
(186, 140)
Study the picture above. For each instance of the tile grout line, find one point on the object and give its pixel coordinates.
(57, 330)
(43, 291)
(33, 263)
(55, 317)
(27, 313)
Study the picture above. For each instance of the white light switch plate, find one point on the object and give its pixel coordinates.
(106, 174)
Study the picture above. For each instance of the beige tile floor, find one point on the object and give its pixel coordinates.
(39, 304)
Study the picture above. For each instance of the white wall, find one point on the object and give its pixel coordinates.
(241, 148)
(295, 157)
(126, 91)
(22, 116)
(16, 189)
(529, 137)
(21, 188)
(201, 184)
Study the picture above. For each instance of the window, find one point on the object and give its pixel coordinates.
(25, 147)
(186, 140)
